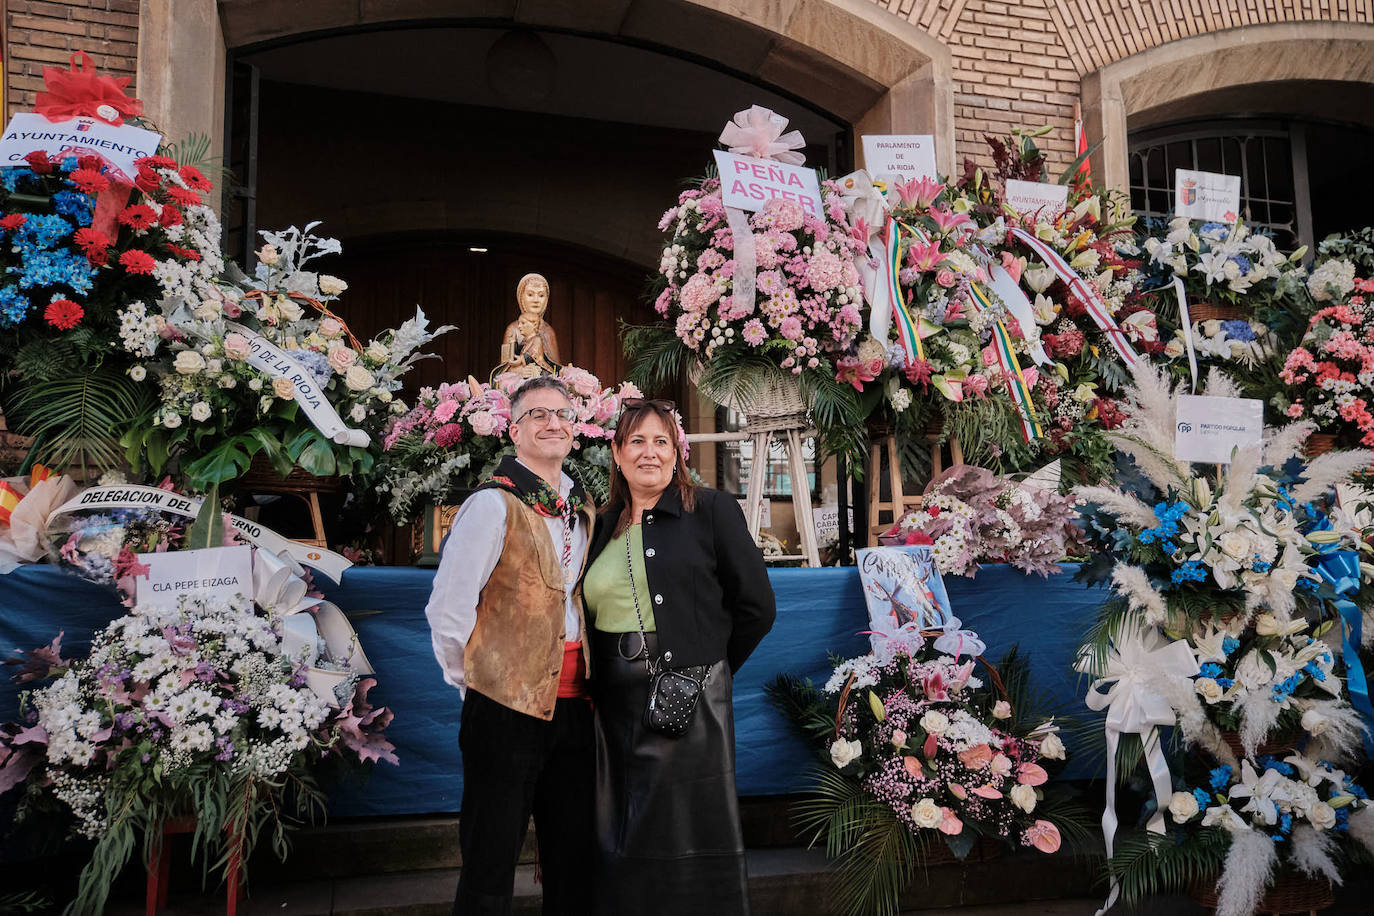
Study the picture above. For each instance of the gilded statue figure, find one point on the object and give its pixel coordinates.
(529, 347)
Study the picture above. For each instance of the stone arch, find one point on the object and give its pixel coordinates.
(1136, 89)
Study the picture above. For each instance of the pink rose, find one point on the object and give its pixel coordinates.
(945, 277)
(330, 328)
(341, 359)
(1012, 265)
(232, 309)
(483, 423)
(236, 346)
(898, 738)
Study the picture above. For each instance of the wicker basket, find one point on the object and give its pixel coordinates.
(1208, 311)
(1290, 893)
(262, 477)
(1319, 444)
(770, 401)
(1282, 743)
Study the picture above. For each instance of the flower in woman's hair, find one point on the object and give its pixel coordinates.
(63, 314)
(137, 262)
(137, 217)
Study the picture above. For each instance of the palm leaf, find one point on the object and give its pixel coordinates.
(208, 528)
(79, 415)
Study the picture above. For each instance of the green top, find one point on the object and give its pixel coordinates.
(606, 588)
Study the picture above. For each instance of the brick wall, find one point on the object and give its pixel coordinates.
(42, 33)
(1019, 63)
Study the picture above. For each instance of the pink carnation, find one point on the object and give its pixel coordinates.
(698, 293)
(824, 271)
(445, 411)
(448, 434)
(753, 333)
(791, 327)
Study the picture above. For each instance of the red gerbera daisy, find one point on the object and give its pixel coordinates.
(155, 162)
(98, 257)
(170, 216)
(13, 221)
(64, 314)
(89, 181)
(90, 162)
(186, 254)
(138, 216)
(184, 196)
(87, 238)
(39, 162)
(194, 178)
(137, 262)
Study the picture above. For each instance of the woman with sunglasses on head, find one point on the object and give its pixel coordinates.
(675, 587)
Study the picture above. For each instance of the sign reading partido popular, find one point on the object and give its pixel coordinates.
(120, 146)
(748, 183)
(1036, 196)
(900, 156)
(1206, 195)
(1209, 428)
(220, 573)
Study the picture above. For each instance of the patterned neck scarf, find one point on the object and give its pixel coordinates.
(535, 492)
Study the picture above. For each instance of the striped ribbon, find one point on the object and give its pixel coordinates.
(1097, 309)
(1011, 369)
(9, 498)
(907, 330)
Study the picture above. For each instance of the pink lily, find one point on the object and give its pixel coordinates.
(920, 192)
(860, 231)
(924, 257)
(948, 220)
(934, 686)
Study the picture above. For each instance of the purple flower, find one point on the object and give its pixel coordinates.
(226, 747)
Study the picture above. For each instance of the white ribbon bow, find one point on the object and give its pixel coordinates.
(757, 131)
(1140, 662)
(959, 642)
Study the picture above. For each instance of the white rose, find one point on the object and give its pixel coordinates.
(1051, 748)
(227, 381)
(255, 384)
(208, 310)
(357, 378)
(934, 722)
(1322, 816)
(171, 420)
(188, 362)
(331, 286)
(1314, 723)
(842, 752)
(1023, 797)
(1002, 710)
(200, 411)
(384, 396)
(358, 413)
(288, 309)
(283, 388)
(1208, 689)
(378, 352)
(138, 373)
(268, 255)
(926, 813)
(1175, 348)
(1183, 807)
(1236, 545)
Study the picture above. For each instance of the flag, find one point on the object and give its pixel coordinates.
(1083, 177)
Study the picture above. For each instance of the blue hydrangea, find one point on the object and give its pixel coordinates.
(317, 364)
(42, 230)
(1240, 261)
(14, 305)
(1220, 777)
(74, 204)
(1192, 571)
(1239, 330)
(1213, 230)
(1230, 644)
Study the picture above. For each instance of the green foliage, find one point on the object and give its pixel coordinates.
(1148, 864)
(208, 528)
(77, 416)
(658, 359)
(1356, 246)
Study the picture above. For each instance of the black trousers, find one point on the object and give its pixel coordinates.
(516, 765)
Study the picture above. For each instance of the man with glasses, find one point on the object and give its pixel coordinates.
(508, 635)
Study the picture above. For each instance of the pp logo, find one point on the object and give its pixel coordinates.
(1185, 427)
(312, 556)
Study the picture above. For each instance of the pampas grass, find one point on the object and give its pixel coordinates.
(1247, 874)
(1342, 739)
(1325, 472)
(1362, 827)
(1134, 585)
(1311, 853)
(1126, 507)
(1286, 442)
(1258, 716)
(1150, 413)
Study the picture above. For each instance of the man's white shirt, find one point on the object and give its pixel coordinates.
(470, 553)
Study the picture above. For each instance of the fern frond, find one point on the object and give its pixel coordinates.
(80, 415)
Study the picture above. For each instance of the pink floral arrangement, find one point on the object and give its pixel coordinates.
(456, 433)
(947, 755)
(1331, 374)
(805, 311)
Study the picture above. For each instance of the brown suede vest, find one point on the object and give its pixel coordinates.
(515, 653)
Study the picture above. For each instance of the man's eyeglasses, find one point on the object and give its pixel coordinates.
(544, 414)
(661, 403)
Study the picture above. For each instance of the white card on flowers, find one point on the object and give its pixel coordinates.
(1028, 197)
(899, 156)
(1206, 195)
(219, 573)
(30, 132)
(747, 183)
(1207, 429)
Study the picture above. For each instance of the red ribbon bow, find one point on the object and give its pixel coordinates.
(82, 93)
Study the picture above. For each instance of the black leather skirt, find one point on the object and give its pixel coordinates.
(667, 813)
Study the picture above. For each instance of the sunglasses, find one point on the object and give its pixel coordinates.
(636, 403)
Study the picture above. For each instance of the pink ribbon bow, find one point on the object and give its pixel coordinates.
(758, 132)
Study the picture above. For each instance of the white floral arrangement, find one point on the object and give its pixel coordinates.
(1221, 262)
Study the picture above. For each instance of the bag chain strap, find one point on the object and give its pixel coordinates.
(634, 593)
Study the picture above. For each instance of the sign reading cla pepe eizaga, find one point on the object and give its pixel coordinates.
(747, 183)
(1206, 195)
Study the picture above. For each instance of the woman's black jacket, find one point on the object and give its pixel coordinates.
(708, 585)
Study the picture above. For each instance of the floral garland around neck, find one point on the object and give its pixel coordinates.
(545, 500)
